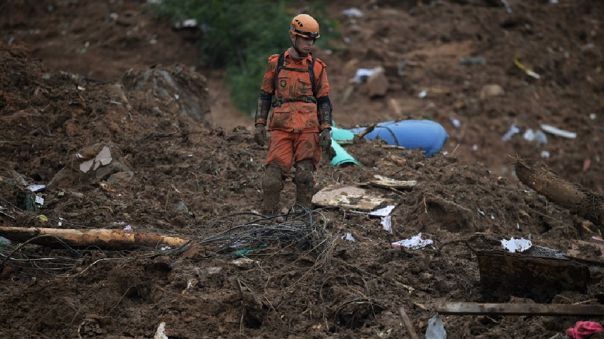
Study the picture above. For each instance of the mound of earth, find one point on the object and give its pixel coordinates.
(124, 156)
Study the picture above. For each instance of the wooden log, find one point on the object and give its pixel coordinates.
(102, 238)
(578, 200)
(469, 308)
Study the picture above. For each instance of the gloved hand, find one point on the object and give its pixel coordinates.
(325, 139)
(260, 135)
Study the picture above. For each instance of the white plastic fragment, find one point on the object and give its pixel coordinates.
(558, 132)
(161, 331)
(127, 228)
(387, 223)
(352, 12)
(348, 237)
(545, 154)
(189, 23)
(36, 188)
(414, 243)
(363, 74)
(39, 200)
(436, 328)
(513, 130)
(537, 136)
(382, 212)
(455, 122)
(423, 93)
(516, 245)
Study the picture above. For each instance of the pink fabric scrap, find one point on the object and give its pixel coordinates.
(583, 329)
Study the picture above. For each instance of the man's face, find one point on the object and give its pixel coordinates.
(304, 45)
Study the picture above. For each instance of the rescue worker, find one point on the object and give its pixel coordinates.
(296, 86)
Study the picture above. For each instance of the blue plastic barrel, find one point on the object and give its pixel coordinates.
(427, 135)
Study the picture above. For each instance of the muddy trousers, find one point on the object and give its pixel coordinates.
(272, 184)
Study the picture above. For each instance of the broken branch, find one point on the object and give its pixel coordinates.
(469, 308)
(102, 238)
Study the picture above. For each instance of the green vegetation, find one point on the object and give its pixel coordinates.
(239, 36)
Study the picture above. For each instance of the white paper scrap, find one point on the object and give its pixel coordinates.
(414, 243)
(348, 237)
(516, 245)
(36, 188)
(387, 223)
(39, 200)
(382, 212)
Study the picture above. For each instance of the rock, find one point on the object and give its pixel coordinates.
(377, 83)
(492, 90)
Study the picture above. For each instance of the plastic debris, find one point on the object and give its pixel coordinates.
(538, 136)
(42, 218)
(422, 94)
(36, 188)
(455, 122)
(516, 245)
(545, 154)
(584, 329)
(558, 132)
(413, 243)
(352, 12)
(39, 200)
(127, 228)
(513, 130)
(383, 212)
(387, 223)
(526, 70)
(363, 74)
(161, 331)
(348, 237)
(436, 328)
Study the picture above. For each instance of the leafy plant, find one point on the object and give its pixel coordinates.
(239, 36)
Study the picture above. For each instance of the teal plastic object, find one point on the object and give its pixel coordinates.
(340, 134)
(342, 157)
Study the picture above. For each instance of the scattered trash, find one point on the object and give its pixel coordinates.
(414, 243)
(36, 188)
(584, 329)
(39, 200)
(516, 245)
(42, 218)
(491, 90)
(362, 75)
(525, 69)
(473, 60)
(161, 331)
(165, 248)
(545, 154)
(128, 228)
(386, 218)
(188, 23)
(422, 94)
(513, 130)
(348, 197)
(352, 12)
(455, 122)
(103, 158)
(383, 212)
(382, 181)
(436, 328)
(348, 237)
(244, 263)
(60, 222)
(538, 136)
(558, 132)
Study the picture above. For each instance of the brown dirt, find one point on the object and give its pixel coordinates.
(171, 173)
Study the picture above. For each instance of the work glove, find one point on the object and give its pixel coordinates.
(260, 135)
(325, 139)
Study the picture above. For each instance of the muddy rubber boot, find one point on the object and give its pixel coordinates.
(304, 184)
(272, 183)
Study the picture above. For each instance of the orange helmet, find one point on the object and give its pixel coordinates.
(305, 26)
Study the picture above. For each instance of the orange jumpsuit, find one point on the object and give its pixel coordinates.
(294, 124)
